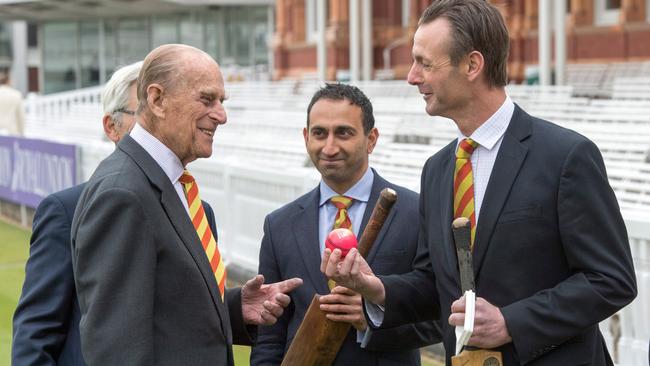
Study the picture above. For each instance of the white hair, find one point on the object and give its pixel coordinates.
(115, 96)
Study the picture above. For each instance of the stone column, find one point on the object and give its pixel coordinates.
(632, 11)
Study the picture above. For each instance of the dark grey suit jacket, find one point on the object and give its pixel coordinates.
(146, 290)
(46, 321)
(551, 249)
(290, 248)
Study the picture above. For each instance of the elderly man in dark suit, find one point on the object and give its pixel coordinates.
(551, 256)
(339, 136)
(149, 275)
(46, 321)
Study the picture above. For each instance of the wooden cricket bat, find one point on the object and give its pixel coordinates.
(479, 357)
(319, 339)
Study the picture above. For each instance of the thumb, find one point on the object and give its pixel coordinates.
(288, 285)
(255, 283)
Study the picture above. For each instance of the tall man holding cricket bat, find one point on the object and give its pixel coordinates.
(339, 136)
(551, 257)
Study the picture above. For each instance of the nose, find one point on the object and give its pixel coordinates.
(331, 147)
(415, 75)
(218, 113)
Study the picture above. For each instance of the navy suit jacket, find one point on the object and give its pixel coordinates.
(290, 248)
(46, 321)
(551, 248)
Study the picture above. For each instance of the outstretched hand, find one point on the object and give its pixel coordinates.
(354, 273)
(264, 304)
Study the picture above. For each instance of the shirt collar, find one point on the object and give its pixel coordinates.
(168, 161)
(491, 131)
(360, 191)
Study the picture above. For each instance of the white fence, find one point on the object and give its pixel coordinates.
(246, 185)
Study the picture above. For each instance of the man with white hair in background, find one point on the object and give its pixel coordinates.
(46, 321)
(12, 118)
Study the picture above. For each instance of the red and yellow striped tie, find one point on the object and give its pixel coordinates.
(464, 184)
(200, 221)
(341, 220)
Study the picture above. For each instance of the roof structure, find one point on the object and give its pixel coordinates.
(47, 10)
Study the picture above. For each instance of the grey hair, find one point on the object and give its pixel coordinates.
(116, 92)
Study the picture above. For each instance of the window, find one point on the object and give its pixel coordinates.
(311, 19)
(59, 56)
(5, 42)
(32, 35)
(164, 29)
(132, 40)
(110, 47)
(607, 12)
(192, 30)
(89, 53)
(215, 34)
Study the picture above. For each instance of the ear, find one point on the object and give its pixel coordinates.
(109, 128)
(475, 65)
(155, 99)
(372, 140)
(305, 134)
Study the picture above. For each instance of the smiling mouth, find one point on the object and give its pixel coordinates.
(207, 132)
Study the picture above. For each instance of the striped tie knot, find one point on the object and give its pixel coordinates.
(466, 148)
(186, 177)
(342, 220)
(341, 202)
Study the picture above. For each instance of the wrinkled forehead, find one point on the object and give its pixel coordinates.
(203, 74)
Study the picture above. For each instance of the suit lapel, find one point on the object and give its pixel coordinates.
(378, 184)
(509, 160)
(447, 208)
(178, 217)
(305, 231)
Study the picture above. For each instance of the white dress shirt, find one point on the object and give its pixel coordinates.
(489, 136)
(166, 159)
(360, 193)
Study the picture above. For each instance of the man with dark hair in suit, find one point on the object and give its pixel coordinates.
(339, 136)
(149, 274)
(46, 321)
(551, 257)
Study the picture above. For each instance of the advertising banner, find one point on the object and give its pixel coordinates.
(31, 169)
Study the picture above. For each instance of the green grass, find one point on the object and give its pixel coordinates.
(14, 250)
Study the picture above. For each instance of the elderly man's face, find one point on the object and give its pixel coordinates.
(194, 109)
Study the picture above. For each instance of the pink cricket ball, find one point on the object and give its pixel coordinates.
(343, 239)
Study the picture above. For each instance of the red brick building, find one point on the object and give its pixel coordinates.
(597, 31)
